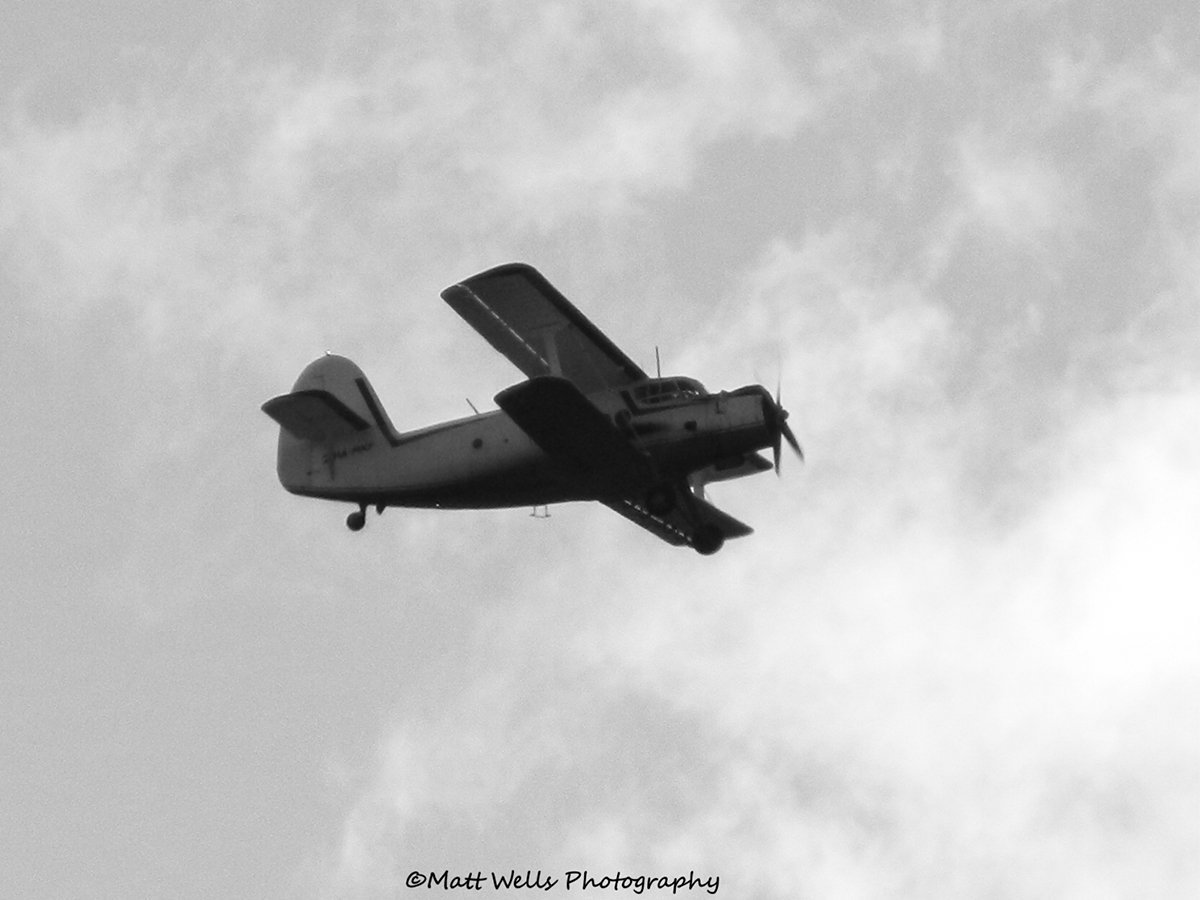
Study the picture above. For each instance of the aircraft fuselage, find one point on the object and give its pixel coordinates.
(488, 461)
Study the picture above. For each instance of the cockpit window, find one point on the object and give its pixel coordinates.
(668, 390)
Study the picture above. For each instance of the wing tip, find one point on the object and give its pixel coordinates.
(508, 268)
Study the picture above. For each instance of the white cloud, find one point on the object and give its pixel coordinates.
(1023, 198)
(957, 695)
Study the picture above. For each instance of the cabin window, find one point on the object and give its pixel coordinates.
(669, 390)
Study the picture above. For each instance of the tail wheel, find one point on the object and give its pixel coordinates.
(708, 540)
(356, 520)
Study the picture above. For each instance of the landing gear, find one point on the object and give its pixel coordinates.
(356, 520)
(707, 540)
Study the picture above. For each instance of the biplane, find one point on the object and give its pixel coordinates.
(587, 423)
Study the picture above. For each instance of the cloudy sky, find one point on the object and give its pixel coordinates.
(958, 657)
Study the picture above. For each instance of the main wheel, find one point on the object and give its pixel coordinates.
(708, 540)
(356, 520)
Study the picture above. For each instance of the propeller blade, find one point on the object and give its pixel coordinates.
(791, 439)
(776, 417)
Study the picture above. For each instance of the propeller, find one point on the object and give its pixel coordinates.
(776, 419)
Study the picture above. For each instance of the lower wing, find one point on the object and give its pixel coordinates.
(691, 521)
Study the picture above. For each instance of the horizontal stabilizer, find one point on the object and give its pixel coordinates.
(315, 415)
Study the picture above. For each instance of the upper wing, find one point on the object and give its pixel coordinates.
(523, 316)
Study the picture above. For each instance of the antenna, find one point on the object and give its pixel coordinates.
(472, 405)
(657, 362)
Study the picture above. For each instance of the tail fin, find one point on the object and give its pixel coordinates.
(331, 407)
